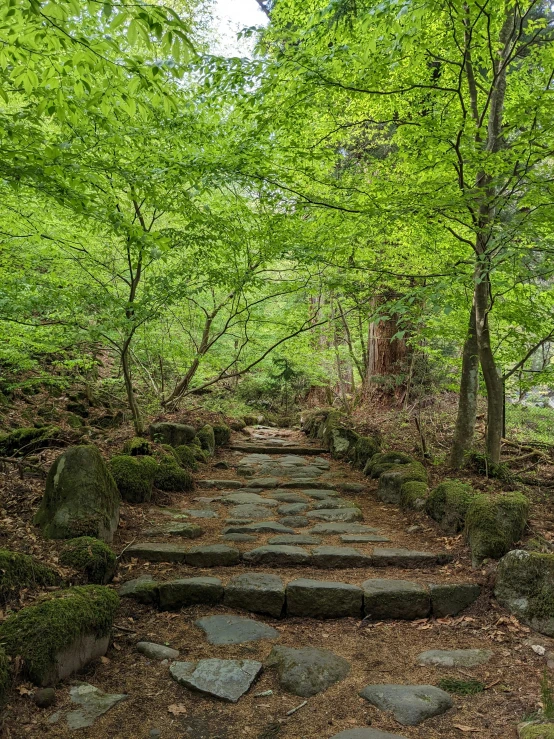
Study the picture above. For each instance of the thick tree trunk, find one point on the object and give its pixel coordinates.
(467, 403)
(386, 356)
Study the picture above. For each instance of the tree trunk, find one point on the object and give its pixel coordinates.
(467, 403)
(386, 355)
(138, 423)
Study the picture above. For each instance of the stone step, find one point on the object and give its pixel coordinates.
(264, 593)
(277, 449)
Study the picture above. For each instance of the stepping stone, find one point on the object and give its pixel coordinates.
(409, 704)
(92, 703)
(308, 671)
(336, 557)
(280, 556)
(156, 651)
(285, 497)
(227, 679)
(190, 591)
(321, 494)
(234, 630)
(301, 483)
(265, 527)
(363, 538)
(219, 484)
(143, 589)
(342, 514)
(249, 499)
(255, 459)
(342, 528)
(323, 599)
(232, 521)
(295, 522)
(156, 552)
(239, 537)
(207, 501)
(450, 599)
(295, 540)
(365, 733)
(185, 530)
(294, 459)
(290, 509)
(200, 513)
(322, 463)
(333, 504)
(352, 487)
(276, 448)
(263, 482)
(455, 657)
(407, 558)
(256, 592)
(213, 555)
(395, 599)
(249, 511)
(306, 473)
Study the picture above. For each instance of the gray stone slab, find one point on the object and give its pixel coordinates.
(156, 651)
(184, 530)
(239, 537)
(334, 529)
(227, 679)
(449, 599)
(409, 704)
(229, 629)
(321, 494)
(219, 484)
(92, 703)
(295, 522)
(302, 483)
(264, 527)
(143, 589)
(276, 448)
(285, 497)
(407, 558)
(263, 482)
(279, 556)
(365, 733)
(323, 599)
(320, 462)
(352, 487)
(291, 509)
(190, 591)
(156, 552)
(234, 521)
(346, 515)
(363, 538)
(214, 555)
(337, 557)
(333, 504)
(308, 671)
(249, 499)
(200, 513)
(395, 599)
(249, 511)
(256, 592)
(455, 657)
(300, 540)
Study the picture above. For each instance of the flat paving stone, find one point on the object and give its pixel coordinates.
(264, 527)
(352, 487)
(285, 497)
(409, 704)
(280, 556)
(333, 504)
(277, 449)
(143, 589)
(346, 515)
(248, 510)
(365, 733)
(256, 592)
(184, 530)
(323, 599)
(227, 679)
(363, 538)
(291, 509)
(342, 528)
(295, 522)
(395, 599)
(229, 629)
(219, 484)
(92, 703)
(190, 591)
(156, 552)
(295, 540)
(302, 483)
(450, 598)
(336, 557)
(239, 537)
(321, 494)
(263, 482)
(249, 499)
(407, 558)
(307, 671)
(213, 555)
(200, 513)
(156, 651)
(455, 657)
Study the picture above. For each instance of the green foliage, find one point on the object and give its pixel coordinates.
(18, 571)
(461, 687)
(90, 556)
(134, 477)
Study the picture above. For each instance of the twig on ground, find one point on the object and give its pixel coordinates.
(294, 710)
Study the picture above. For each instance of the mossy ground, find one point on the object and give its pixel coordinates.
(5, 678)
(91, 557)
(18, 571)
(537, 731)
(461, 687)
(134, 476)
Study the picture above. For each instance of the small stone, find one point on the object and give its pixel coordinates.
(190, 591)
(156, 651)
(45, 697)
(249, 512)
(454, 657)
(234, 630)
(335, 557)
(414, 529)
(308, 671)
(227, 679)
(321, 494)
(221, 465)
(93, 704)
(256, 592)
(395, 599)
(214, 555)
(346, 515)
(352, 487)
(200, 513)
(143, 589)
(284, 556)
(363, 538)
(290, 509)
(154, 733)
(295, 522)
(409, 704)
(294, 540)
(323, 599)
(451, 598)
(408, 558)
(239, 537)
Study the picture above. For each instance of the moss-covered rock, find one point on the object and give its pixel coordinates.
(5, 678)
(364, 449)
(90, 556)
(186, 457)
(525, 586)
(60, 634)
(18, 571)
(382, 462)
(26, 440)
(137, 447)
(174, 434)
(222, 434)
(206, 437)
(447, 504)
(81, 497)
(170, 476)
(201, 455)
(134, 477)
(413, 495)
(392, 480)
(494, 523)
(237, 424)
(536, 730)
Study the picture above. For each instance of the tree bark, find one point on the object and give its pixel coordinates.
(138, 422)
(386, 355)
(467, 403)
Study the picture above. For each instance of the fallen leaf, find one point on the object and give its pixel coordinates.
(461, 727)
(177, 709)
(22, 690)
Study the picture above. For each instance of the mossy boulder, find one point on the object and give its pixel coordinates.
(447, 504)
(5, 678)
(364, 449)
(186, 457)
(174, 434)
(392, 480)
(525, 586)
(81, 497)
(27, 440)
(59, 635)
(341, 442)
(90, 556)
(137, 447)
(134, 477)
(201, 455)
(384, 461)
(536, 730)
(222, 434)
(206, 437)
(237, 424)
(18, 571)
(494, 523)
(171, 477)
(413, 495)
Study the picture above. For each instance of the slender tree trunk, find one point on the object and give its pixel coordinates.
(467, 404)
(138, 422)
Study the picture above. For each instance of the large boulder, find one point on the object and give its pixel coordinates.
(364, 449)
(494, 523)
(134, 476)
(392, 480)
(170, 476)
(525, 586)
(81, 497)
(174, 434)
(379, 463)
(447, 504)
(58, 636)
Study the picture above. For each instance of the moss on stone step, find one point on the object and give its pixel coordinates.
(91, 557)
(18, 571)
(494, 523)
(134, 476)
(447, 504)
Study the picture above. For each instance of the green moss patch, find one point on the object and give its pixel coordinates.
(391, 481)
(5, 679)
(91, 557)
(536, 731)
(18, 571)
(40, 632)
(134, 477)
(413, 495)
(186, 457)
(364, 449)
(448, 503)
(494, 523)
(222, 434)
(26, 440)
(171, 477)
(137, 447)
(525, 586)
(380, 463)
(206, 438)
(461, 687)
